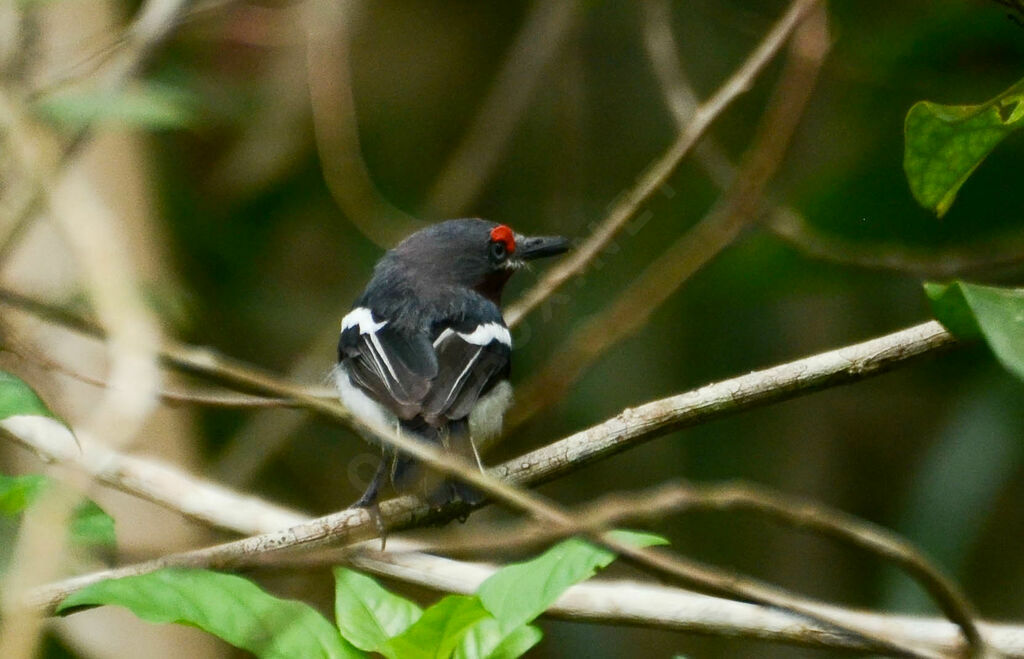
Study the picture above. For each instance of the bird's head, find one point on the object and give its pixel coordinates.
(473, 253)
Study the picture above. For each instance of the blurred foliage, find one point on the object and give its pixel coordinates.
(151, 106)
(90, 527)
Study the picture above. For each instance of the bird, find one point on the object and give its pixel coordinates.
(425, 349)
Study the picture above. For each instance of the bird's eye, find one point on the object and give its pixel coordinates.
(498, 251)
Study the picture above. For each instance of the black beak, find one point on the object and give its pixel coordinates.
(540, 246)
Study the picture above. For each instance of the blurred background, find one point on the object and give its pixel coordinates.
(272, 151)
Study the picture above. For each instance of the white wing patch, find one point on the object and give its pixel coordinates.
(462, 377)
(363, 318)
(481, 336)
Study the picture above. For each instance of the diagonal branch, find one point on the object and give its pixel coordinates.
(737, 209)
(630, 428)
(639, 424)
(479, 151)
(656, 175)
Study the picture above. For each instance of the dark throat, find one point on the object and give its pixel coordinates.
(493, 284)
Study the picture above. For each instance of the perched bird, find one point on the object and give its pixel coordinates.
(425, 349)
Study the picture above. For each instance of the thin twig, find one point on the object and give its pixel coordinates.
(662, 168)
(473, 160)
(199, 396)
(152, 24)
(328, 24)
(737, 209)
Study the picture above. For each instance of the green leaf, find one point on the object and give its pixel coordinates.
(367, 614)
(90, 525)
(147, 105)
(485, 640)
(439, 630)
(517, 643)
(944, 144)
(18, 399)
(227, 606)
(18, 492)
(520, 592)
(25, 415)
(951, 309)
(998, 314)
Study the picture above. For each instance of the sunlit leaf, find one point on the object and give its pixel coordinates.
(945, 143)
(486, 640)
(439, 630)
(227, 606)
(520, 592)
(366, 613)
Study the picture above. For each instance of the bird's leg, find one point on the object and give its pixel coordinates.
(369, 496)
(368, 501)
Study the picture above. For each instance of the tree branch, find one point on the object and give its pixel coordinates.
(615, 602)
(737, 209)
(639, 424)
(631, 427)
(474, 159)
(656, 175)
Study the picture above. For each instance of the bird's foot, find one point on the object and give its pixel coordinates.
(372, 509)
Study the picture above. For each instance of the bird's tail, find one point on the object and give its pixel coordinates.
(408, 475)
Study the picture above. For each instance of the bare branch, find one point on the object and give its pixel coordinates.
(661, 169)
(650, 605)
(658, 502)
(473, 160)
(637, 425)
(738, 208)
(328, 24)
(714, 401)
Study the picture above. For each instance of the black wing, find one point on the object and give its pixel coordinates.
(470, 361)
(412, 376)
(394, 367)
